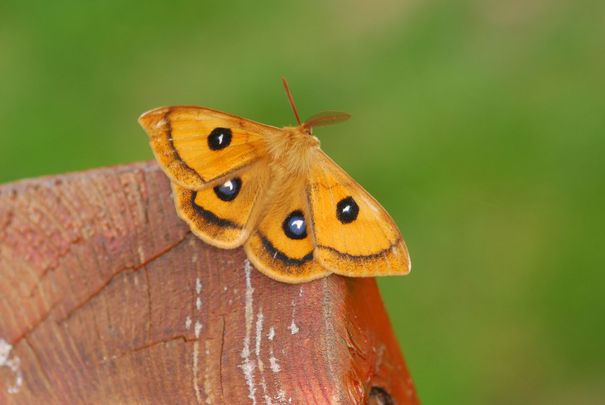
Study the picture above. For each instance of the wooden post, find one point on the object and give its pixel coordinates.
(106, 297)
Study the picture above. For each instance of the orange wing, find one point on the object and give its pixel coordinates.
(282, 244)
(224, 213)
(218, 166)
(196, 145)
(354, 235)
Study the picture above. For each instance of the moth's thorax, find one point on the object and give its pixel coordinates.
(292, 150)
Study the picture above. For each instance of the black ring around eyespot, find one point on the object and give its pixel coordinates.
(229, 189)
(219, 138)
(295, 226)
(347, 210)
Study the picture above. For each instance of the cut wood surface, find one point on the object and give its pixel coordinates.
(106, 297)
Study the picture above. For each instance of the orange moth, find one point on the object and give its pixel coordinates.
(297, 214)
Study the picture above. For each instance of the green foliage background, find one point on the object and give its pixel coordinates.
(479, 124)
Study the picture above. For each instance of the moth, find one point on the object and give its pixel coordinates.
(298, 215)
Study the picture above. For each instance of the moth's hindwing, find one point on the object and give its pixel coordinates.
(282, 244)
(224, 212)
(354, 235)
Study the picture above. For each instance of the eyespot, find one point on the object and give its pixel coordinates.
(295, 225)
(229, 189)
(347, 210)
(219, 138)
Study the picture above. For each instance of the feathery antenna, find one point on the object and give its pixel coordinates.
(318, 120)
(325, 118)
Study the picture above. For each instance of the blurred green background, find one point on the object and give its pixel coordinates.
(479, 124)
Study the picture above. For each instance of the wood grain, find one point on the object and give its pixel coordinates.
(106, 297)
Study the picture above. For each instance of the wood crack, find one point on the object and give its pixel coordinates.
(32, 328)
(147, 346)
(149, 306)
(115, 274)
(95, 293)
(220, 364)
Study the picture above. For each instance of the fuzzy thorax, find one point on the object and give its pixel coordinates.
(293, 150)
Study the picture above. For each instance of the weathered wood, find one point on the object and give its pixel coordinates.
(106, 297)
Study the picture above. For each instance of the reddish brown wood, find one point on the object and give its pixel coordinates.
(106, 297)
